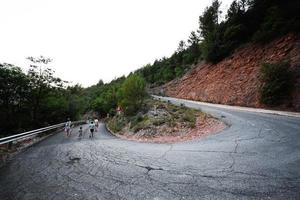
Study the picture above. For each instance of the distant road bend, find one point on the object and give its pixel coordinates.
(256, 157)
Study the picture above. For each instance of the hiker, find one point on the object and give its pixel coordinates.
(80, 132)
(92, 129)
(68, 127)
(96, 124)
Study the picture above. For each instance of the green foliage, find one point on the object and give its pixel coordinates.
(271, 26)
(136, 119)
(178, 71)
(157, 114)
(246, 21)
(35, 99)
(14, 98)
(132, 93)
(166, 69)
(209, 20)
(160, 121)
(278, 82)
(116, 124)
(143, 123)
(103, 98)
(190, 118)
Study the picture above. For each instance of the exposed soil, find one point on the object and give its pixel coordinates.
(235, 80)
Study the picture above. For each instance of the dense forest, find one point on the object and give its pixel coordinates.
(38, 98)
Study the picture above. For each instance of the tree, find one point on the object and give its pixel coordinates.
(181, 46)
(14, 98)
(100, 83)
(236, 10)
(193, 39)
(208, 22)
(193, 52)
(41, 83)
(132, 94)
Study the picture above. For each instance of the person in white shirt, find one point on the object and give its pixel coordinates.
(96, 124)
(68, 127)
(92, 129)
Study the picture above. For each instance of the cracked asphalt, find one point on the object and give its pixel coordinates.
(256, 157)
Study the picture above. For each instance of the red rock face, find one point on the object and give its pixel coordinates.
(235, 80)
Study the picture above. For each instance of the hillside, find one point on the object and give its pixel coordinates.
(236, 79)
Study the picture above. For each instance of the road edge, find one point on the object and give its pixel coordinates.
(237, 108)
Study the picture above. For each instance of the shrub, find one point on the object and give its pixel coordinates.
(189, 116)
(278, 83)
(116, 124)
(171, 122)
(159, 121)
(136, 119)
(132, 94)
(144, 124)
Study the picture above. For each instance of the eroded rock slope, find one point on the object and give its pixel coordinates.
(235, 80)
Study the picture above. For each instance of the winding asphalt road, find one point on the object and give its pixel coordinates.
(256, 157)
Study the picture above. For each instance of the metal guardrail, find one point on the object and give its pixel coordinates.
(27, 134)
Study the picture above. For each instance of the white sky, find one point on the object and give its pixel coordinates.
(90, 40)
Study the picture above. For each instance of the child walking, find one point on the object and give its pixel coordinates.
(80, 132)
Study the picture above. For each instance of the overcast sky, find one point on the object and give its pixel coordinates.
(90, 40)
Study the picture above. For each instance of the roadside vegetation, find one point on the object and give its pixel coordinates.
(36, 98)
(158, 119)
(277, 83)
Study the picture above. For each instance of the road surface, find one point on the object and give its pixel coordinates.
(256, 157)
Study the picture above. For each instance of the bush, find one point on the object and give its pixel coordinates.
(160, 121)
(278, 82)
(144, 124)
(136, 119)
(132, 94)
(116, 124)
(171, 122)
(189, 116)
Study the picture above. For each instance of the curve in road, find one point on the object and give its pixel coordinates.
(257, 157)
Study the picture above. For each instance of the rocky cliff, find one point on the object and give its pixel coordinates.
(236, 79)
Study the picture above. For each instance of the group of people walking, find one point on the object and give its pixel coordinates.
(93, 127)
